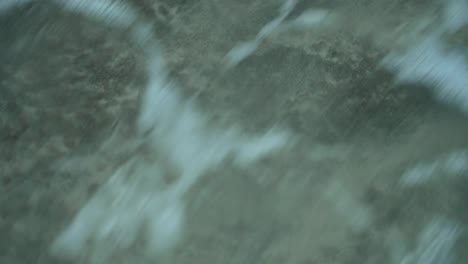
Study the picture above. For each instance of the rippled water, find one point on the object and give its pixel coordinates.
(223, 131)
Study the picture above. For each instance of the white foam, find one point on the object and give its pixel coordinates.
(433, 64)
(429, 63)
(311, 18)
(451, 165)
(456, 15)
(108, 11)
(435, 243)
(247, 48)
(136, 199)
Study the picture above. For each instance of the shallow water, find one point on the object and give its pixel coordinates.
(223, 131)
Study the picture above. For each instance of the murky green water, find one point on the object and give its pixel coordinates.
(305, 151)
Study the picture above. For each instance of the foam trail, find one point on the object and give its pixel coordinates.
(245, 49)
(186, 137)
(309, 18)
(109, 11)
(435, 244)
(456, 15)
(446, 72)
(454, 164)
(430, 63)
(137, 199)
(128, 204)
